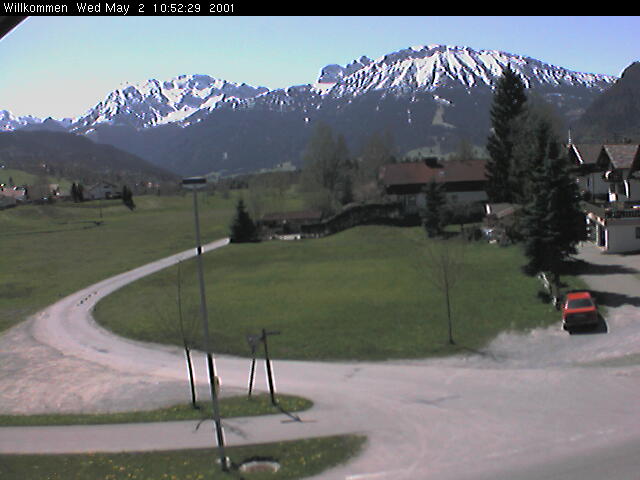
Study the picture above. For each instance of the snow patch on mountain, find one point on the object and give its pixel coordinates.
(418, 69)
(429, 67)
(9, 122)
(153, 103)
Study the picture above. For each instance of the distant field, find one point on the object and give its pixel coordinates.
(50, 251)
(360, 294)
(20, 177)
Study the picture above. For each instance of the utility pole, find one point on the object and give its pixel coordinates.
(194, 183)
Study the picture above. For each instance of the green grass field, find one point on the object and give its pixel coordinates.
(20, 177)
(361, 294)
(297, 460)
(50, 251)
(230, 407)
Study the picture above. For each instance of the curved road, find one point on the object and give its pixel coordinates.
(542, 405)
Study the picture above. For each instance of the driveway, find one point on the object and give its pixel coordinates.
(543, 404)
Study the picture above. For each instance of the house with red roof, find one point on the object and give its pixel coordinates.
(462, 181)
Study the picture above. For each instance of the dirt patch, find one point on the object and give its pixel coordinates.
(35, 379)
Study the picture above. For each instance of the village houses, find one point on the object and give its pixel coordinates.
(609, 178)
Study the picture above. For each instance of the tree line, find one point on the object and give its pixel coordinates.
(332, 177)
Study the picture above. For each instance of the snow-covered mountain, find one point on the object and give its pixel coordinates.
(154, 102)
(432, 66)
(431, 95)
(415, 69)
(10, 122)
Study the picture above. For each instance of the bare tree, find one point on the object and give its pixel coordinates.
(445, 266)
(184, 327)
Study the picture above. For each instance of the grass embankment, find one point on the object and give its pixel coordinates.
(50, 251)
(362, 294)
(229, 407)
(297, 460)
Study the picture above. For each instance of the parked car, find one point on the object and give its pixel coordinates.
(579, 309)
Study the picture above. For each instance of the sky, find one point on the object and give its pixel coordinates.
(62, 66)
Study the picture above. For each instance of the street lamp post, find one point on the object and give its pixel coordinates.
(195, 183)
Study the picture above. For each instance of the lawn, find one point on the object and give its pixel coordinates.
(297, 460)
(230, 407)
(20, 177)
(50, 251)
(362, 294)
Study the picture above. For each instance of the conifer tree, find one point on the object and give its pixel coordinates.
(127, 198)
(74, 192)
(433, 219)
(242, 228)
(553, 222)
(536, 136)
(508, 103)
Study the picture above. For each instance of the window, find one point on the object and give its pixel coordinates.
(637, 232)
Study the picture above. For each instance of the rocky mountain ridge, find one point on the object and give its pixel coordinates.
(432, 95)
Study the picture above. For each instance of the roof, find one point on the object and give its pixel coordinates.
(621, 156)
(412, 173)
(406, 173)
(585, 153)
(7, 23)
(102, 185)
(501, 210)
(12, 192)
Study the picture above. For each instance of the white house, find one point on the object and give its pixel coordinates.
(613, 230)
(620, 162)
(589, 175)
(610, 174)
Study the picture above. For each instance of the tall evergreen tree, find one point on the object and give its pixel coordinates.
(433, 219)
(74, 192)
(553, 222)
(127, 198)
(242, 228)
(536, 137)
(508, 103)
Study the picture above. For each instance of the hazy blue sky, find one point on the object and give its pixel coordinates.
(62, 66)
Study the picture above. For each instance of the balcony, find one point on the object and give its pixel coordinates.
(613, 209)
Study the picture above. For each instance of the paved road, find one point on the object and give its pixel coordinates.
(538, 405)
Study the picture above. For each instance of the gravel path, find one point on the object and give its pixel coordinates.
(39, 373)
(540, 398)
(36, 378)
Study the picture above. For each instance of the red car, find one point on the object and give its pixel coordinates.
(579, 309)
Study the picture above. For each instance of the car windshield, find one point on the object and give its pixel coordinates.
(580, 303)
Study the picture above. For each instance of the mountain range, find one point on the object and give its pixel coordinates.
(614, 115)
(425, 96)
